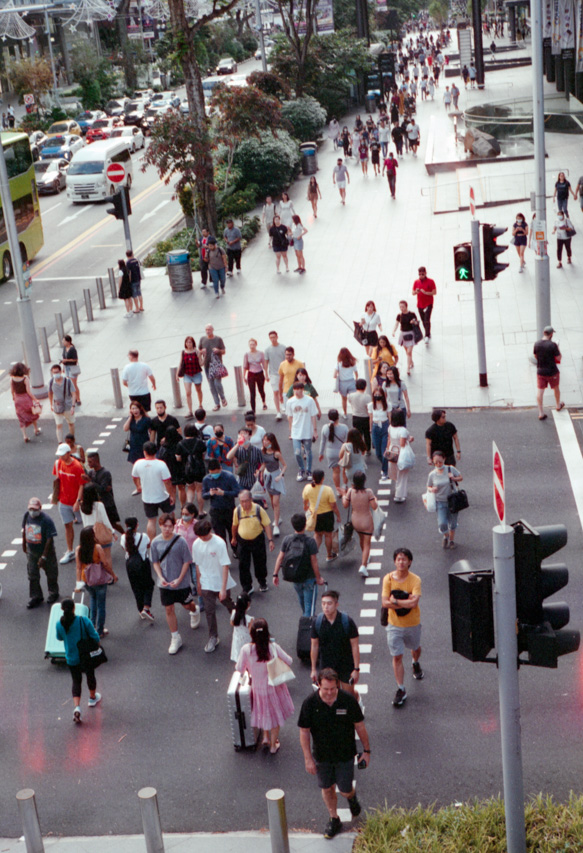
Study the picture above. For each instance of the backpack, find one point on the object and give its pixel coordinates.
(343, 618)
(293, 558)
(135, 563)
(194, 465)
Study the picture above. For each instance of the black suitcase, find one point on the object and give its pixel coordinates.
(304, 641)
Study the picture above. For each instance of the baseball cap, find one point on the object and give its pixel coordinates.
(548, 330)
(62, 449)
(34, 503)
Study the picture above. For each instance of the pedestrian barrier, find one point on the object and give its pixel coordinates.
(44, 344)
(88, 305)
(100, 293)
(240, 386)
(277, 818)
(74, 316)
(112, 286)
(118, 399)
(60, 326)
(151, 820)
(175, 384)
(30, 823)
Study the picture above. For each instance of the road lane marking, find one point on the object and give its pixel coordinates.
(73, 216)
(572, 456)
(154, 211)
(54, 207)
(365, 648)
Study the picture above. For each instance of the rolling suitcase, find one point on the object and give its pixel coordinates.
(55, 649)
(239, 703)
(304, 641)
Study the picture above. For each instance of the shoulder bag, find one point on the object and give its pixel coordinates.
(278, 672)
(392, 453)
(180, 371)
(346, 537)
(346, 460)
(217, 369)
(96, 575)
(417, 333)
(91, 654)
(103, 535)
(458, 499)
(311, 516)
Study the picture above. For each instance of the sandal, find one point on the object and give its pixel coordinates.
(273, 750)
(216, 408)
(560, 406)
(542, 417)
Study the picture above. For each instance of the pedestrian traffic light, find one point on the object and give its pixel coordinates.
(471, 611)
(117, 200)
(491, 251)
(539, 625)
(462, 262)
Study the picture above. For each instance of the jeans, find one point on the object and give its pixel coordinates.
(216, 387)
(51, 569)
(380, 434)
(392, 183)
(425, 314)
(562, 204)
(306, 443)
(97, 606)
(306, 591)
(218, 276)
(234, 259)
(446, 520)
(384, 148)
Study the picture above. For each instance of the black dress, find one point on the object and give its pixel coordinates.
(125, 288)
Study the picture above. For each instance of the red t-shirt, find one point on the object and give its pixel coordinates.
(391, 165)
(71, 477)
(423, 301)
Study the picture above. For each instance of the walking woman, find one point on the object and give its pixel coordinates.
(320, 501)
(138, 567)
(352, 453)
(384, 351)
(272, 706)
(406, 320)
(297, 232)
(346, 141)
(138, 425)
(396, 391)
(272, 472)
(371, 321)
(399, 437)
(27, 407)
(362, 501)
(279, 243)
(286, 211)
(70, 362)
(332, 438)
(346, 374)
(564, 231)
(93, 515)
(440, 481)
(125, 289)
(379, 428)
(94, 572)
(190, 452)
(561, 193)
(520, 236)
(254, 373)
(314, 194)
(71, 629)
(190, 370)
(302, 376)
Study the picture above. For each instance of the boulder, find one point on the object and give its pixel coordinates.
(481, 144)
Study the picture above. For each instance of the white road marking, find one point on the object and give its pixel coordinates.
(54, 207)
(104, 434)
(99, 441)
(365, 668)
(117, 419)
(376, 552)
(365, 648)
(8, 553)
(91, 450)
(368, 613)
(47, 506)
(384, 492)
(2, 566)
(17, 541)
(74, 216)
(572, 455)
(111, 426)
(362, 688)
(153, 212)
(371, 596)
(383, 503)
(366, 629)
(372, 581)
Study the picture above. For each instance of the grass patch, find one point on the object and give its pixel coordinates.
(476, 827)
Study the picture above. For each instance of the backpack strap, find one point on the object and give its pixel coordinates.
(318, 623)
(345, 622)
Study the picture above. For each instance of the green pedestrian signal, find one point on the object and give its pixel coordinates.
(462, 262)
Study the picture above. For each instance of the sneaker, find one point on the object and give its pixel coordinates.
(104, 633)
(354, 806)
(264, 588)
(427, 336)
(212, 644)
(400, 697)
(175, 644)
(34, 602)
(300, 477)
(251, 591)
(77, 715)
(147, 614)
(333, 827)
(332, 556)
(451, 545)
(275, 530)
(445, 543)
(417, 671)
(195, 618)
(54, 596)
(384, 478)
(363, 571)
(67, 557)
(308, 475)
(93, 702)
(279, 416)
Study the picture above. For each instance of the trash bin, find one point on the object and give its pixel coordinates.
(308, 150)
(371, 102)
(179, 272)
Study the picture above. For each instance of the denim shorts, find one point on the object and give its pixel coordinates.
(193, 380)
(136, 289)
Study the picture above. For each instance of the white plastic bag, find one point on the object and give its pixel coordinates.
(379, 517)
(406, 458)
(429, 501)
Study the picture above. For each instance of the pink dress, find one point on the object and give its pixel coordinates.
(271, 705)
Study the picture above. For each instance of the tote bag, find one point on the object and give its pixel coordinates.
(278, 672)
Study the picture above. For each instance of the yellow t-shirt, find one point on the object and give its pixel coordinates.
(383, 354)
(251, 524)
(287, 369)
(327, 500)
(412, 585)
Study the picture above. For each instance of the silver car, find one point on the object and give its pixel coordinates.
(51, 175)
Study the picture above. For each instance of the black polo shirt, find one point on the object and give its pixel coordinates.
(441, 437)
(335, 646)
(331, 727)
(160, 427)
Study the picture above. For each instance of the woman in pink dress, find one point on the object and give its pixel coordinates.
(271, 705)
(27, 407)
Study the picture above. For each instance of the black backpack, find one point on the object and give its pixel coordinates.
(135, 563)
(291, 567)
(194, 466)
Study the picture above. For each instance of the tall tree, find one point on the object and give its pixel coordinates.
(299, 19)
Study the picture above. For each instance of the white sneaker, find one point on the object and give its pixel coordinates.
(212, 644)
(363, 571)
(278, 417)
(384, 478)
(426, 339)
(77, 715)
(275, 530)
(67, 557)
(93, 702)
(175, 644)
(195, 618)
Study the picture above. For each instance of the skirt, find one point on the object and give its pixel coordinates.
(24, 413)
(406, 339)
(271, 707)
(372, 338)
(325, 522)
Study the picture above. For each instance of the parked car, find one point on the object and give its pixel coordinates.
(227, 66)
(85, 119)
(184, 107)
(134, 113)
(61, 145)
(134, 136)
(115, 107)
(67, 126)
(51, 175)
(101, 129)
(37, 137)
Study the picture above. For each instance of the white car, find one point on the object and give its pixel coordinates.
(134, 136)
(37, 138)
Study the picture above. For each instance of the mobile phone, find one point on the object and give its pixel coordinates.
(361, 764)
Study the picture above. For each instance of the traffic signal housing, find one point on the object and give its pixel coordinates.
(462, 262)
(471, 611)
(490, 233)
(117, 201)
(540, 626)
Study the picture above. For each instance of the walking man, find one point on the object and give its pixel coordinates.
(339, 177)
(134, 269)
(212, 348)
(62, 400)
(213, 579)
(204, 258)
(287, 371)
(217, 262)
(135, 376)
(330, 717)
(424, 288)
(298, 559)
(455, 95)
(152, 478)
(250, 524)
(414, 136)
(71, 476)
(232, 236)
(390, 167)
(303, 430)
(548, 357)
(102, 480)
(401, 595)
(442, 436)
(221, 488)
(274, 356)
(161, 423)
(248, 457)
(335, 644)
(38, 543)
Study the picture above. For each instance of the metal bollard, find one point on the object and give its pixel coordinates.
(112, 285)
(118, 399)
(175, 388)
(60, 327)
(30, 823)
(88, 305)
(151, 820)
(74, 316)
(277, 820)
(100, 293)
(240, 386)
(44, 344)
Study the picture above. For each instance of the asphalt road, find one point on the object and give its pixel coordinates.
(163, 719)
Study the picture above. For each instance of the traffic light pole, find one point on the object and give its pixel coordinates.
(478, 304)
(507, 648)
(126, 222)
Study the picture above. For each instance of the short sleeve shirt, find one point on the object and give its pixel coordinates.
(327, 501)
(38, 530)
(71, 477)
(274, 357)
(305, 571)
(160, 427)
(340, 172)
(335, 646)
(331, 727)
(287, 369)
(423, 301)
(441, 437)
(208, 344)
(545, 353)
(412, 585)
(174, 560)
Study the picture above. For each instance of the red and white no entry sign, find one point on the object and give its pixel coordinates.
(499, 484)
(116, 173)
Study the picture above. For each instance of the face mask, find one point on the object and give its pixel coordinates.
(34, 513)
(268, 445)
(57, 376)
(216, 476)
(219, 433)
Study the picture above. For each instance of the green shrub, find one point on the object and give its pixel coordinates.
(184, 239)
(249, 42)
(238, 203)
(235, 49)
(306, 117)
(250, 228)
(270, 162)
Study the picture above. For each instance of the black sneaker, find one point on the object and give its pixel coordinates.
(400, 697)
(354, 805)
(54, 596)
(417, 671)
(34, 602)
(333, 827)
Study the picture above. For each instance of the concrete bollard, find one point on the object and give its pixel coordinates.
(112, 285)
(29, 819)
(88, 305)
(100, 293)
(240, 386)
(151, 820)
(74, 316)
(60, 327)
(44, 344)
(175, 383)
(117, 396)
(277, 821)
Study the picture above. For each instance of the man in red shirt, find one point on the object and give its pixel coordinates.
(424, 288)
(390, 166)
(71, 476)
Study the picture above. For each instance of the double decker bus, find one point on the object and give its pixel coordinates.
(24, 199)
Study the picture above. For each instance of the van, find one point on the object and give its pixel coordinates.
(87, 179)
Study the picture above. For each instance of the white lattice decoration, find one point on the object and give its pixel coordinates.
(89, 11)
(12, 26)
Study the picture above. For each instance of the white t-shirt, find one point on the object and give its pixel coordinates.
(379, 416)
(345, 373)
(301, 411)
(98, 514)
(371, 321)
(257, 437)
(384, 133)
(136, 375)
(210, 557)
(413, 132)
(152, 473)
(142, 543)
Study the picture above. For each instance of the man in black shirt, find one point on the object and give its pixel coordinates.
(103, 482)
(548, 356)
(161, 423)
(442, 436)
(335, 643)
(330, 717)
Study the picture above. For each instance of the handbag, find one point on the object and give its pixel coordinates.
(379, 516)
(95, 575)
(278, 671)
(346, 534)
(458, 499)
(570, 231)
(258, 493)
(103, 535)
(417, 333)
(37, 407)
(346, 460)
(91, 653)
(429, 501)
(180, 371)
(392, 453)
(512, 241)
(360, 334)
(217, 369)
(126, 446)
(311, 517)
(272, 483)
(406, 458)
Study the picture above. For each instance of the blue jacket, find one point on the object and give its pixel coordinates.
(71, 637)
(228, 483)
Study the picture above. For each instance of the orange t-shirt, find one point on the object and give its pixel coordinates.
(71, 477)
